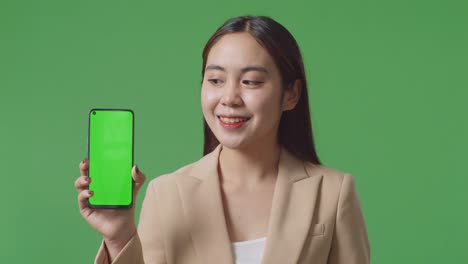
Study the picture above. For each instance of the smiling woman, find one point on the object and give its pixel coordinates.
(259, 194)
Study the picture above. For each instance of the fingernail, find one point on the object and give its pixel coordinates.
(83, 161)
(90, 192)
(137, 170)
(86, 178)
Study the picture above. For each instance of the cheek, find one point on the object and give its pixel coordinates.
(264, 104)
(209, 100)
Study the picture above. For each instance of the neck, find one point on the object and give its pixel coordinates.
(251, 166)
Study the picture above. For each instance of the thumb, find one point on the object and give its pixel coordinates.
(139, 178)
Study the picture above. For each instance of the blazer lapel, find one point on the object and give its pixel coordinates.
(292, 210)
(201, 196)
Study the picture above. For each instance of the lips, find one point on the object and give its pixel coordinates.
(233, 119)
(232, 123)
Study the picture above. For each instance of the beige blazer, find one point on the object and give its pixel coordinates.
(316, 217)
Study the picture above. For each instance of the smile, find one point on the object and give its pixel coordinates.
(232, 122)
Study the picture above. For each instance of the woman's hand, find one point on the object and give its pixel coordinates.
(116, 226)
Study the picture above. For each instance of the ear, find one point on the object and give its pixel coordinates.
(291, 96)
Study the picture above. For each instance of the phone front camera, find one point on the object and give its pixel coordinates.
(94, 112)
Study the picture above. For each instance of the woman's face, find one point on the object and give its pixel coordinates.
(241, 80)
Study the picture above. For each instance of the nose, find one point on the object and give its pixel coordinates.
(231, 95)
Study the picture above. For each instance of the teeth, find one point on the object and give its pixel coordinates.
(232, 120)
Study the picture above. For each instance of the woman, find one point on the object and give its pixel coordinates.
(259, 194)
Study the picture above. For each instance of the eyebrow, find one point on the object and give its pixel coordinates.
(243, 70)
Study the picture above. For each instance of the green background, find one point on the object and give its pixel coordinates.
(388, 97)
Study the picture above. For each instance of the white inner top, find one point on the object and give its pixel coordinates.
(249, 251)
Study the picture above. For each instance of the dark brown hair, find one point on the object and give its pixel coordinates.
(295, 129)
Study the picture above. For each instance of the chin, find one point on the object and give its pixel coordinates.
(233, 144)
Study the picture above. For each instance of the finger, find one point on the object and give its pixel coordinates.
(84, 167)
(82, 183)
(82, 198)
(139, 178)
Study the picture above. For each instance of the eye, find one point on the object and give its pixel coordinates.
(251, 83)
(215, 81)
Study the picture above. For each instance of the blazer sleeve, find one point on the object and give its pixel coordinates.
(146, 245)
(350, 243)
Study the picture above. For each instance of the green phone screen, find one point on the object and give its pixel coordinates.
(110, 154)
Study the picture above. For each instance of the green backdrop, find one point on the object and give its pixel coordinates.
(388, 96)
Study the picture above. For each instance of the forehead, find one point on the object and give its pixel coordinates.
(236, 50)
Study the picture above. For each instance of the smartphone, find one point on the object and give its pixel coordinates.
(110, 155)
